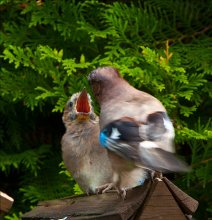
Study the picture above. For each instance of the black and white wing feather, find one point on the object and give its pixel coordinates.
(143, 143)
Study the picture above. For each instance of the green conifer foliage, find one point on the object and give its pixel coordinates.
(47, 49)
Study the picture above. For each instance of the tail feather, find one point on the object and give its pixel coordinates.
(163, 161)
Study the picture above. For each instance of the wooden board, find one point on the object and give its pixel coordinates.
(157, 200)
(160, 204)
(187, 203)
(104, 206)
(6, 202)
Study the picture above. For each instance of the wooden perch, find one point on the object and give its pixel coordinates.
(160, 204)
(6, 203)
(187, 203)
(150, 201)
(102, 206)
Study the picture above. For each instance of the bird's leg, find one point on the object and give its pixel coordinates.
(122, 192)
(105, 188)
(156, 176)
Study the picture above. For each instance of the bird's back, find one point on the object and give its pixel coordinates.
(127, 101)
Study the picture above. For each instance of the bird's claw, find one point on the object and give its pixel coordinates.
(111, 187)
(156, 176)
(105, 188)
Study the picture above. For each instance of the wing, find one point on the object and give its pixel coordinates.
(152, 158)
(140, 143)
(124, 150)
(127, 129)
(157, 126)
(160, 160)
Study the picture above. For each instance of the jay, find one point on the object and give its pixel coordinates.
(82, 154)
(134, 127)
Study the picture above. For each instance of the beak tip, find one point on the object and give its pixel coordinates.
(83, 93)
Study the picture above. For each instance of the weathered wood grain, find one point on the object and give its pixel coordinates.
(187, 203)
(160, 204)
(157, 200)
(104, 206)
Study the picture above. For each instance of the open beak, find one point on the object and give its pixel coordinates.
(83, 105)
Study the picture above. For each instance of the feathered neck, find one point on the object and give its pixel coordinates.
(114, 88)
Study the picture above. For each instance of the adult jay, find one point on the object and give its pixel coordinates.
(82, 154)
(135, 127)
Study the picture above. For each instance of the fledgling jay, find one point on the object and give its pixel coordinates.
(82, 154)
(135, 127)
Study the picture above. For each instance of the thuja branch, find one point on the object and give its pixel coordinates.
(202, 162)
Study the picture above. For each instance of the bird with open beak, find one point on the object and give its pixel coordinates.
(135, 127)
(82, 153)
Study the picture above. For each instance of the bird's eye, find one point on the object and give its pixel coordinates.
(70, 104)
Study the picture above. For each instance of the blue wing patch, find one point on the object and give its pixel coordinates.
(103, 138)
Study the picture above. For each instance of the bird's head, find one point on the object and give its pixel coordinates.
(103, 78)
(103, 74)
(79, 107)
